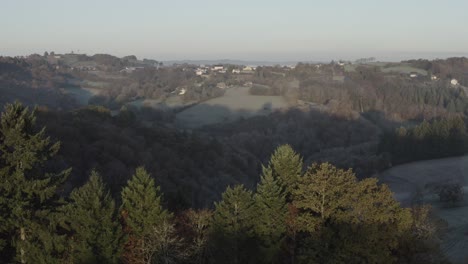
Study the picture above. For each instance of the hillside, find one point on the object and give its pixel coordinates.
(410, 180)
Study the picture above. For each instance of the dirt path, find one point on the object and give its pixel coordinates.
(405, 180)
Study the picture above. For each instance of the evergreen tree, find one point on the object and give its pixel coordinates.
(142, 211)
(270, 218)
(28, 193)
(97, 235)
(321, 193)
(457, 140)
(286, 166)
(233, 227)
(346, 220)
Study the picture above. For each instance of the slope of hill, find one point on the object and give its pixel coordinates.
(235, 104)
(409, 179)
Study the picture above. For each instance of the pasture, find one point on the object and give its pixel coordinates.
(388, 67)
(236, 103)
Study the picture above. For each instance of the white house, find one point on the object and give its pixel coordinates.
(434, 78)
(454, 82)
(248, 69)
(131, 69)
(182, 91)
(217, 68)
(413, 75)
(236, 71)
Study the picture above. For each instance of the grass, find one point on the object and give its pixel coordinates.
(235, 104)
(388, 67)
(405, 180)
(405, 69)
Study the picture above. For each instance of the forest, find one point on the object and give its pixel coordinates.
(113, 182)
(322, 214)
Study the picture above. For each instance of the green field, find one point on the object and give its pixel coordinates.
(388, 67)
(405, 69)
(235, 104)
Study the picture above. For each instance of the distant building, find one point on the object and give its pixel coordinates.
(131, 69)
(454, 82)
(182, 91)
(217, 68)
(248, 69)
(434, 78)
(413, 75)
(236, 71)
(200, 71)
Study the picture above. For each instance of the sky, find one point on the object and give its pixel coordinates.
(274, 30)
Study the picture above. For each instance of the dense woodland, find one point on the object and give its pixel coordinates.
(251, 191)
(319, 215)
(429, 140)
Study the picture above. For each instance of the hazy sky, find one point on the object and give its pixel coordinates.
(237, 29)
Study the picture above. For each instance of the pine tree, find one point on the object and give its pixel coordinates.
(233, 227)
(28, 193)
(321, 193)
(346, 219)
(270, 217)
(457, 136)
(97, 235)
(286, 166)
(142, 211)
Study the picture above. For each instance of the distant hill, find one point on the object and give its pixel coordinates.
(234, 62)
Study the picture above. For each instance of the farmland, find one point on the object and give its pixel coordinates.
(387, 67)
(236, 103)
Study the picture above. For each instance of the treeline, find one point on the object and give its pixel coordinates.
(456, 68)
(364, 88)
(367, 89)
(31, 72)
(324, 215)
(428, 140)
(193, 168)
(36, 72)
(33, 81)
(320, 136)
(159, 83)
